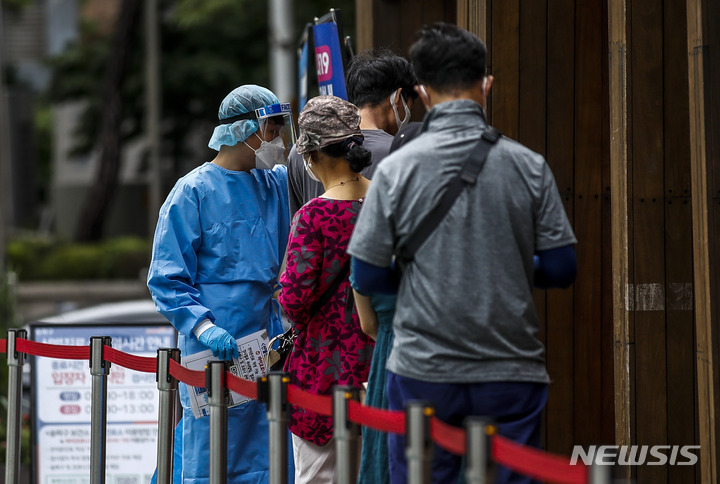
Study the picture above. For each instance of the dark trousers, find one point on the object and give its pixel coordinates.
(516, 408)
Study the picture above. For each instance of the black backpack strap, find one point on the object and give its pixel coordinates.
(330, 291)
(468, 175)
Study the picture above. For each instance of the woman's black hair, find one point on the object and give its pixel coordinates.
(351, 149)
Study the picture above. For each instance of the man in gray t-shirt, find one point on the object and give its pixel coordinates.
(381, 84)
(465, 325)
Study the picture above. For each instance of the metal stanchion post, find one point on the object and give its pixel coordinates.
(167, 387)
(419, 448)
(217, 401)
(479, 467)
(346, 434)
(15, 362)
(99, 369)
(272, 391)
(600, 474)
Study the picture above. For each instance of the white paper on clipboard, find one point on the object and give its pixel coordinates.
(249, 365)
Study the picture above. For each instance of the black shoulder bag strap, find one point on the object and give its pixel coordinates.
(468, 175)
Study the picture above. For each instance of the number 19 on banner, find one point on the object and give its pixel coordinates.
(328, 60)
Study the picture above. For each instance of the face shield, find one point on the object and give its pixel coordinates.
(275, 121)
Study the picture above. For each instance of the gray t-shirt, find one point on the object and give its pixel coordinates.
(465, 311)
(302, 188)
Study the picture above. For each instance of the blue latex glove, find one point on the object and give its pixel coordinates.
(222, 344)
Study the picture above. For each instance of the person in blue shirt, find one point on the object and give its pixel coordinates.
(217, 251)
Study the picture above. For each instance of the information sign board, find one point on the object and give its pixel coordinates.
(62, 396)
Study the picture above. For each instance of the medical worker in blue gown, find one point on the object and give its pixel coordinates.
(218, 248)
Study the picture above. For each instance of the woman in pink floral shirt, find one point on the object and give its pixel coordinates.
(330, 348)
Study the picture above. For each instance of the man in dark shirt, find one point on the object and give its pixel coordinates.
(381, 84)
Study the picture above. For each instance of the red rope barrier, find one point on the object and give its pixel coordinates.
(53, 351)
(449, 437)
(137, 363)
(189, 377)
(241, 386)
(536, 463)
(376, 418)
(321, 404)
(525, 460)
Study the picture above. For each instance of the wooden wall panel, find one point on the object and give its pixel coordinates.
(680, 334)
(386, 25)
(704, 261)
(711, 15)
(588, 215)
(621, 218)
(364, 25)
(681, 388)
(552, 62)
(561, 347)
(532, 123)
(649, 230)
(712, 87)
(394, 23)
(608, 328)
(505, 66)
(556, 52)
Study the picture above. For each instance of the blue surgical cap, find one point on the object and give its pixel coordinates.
(241, 100)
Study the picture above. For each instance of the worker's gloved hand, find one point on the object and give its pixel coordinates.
(222, 344)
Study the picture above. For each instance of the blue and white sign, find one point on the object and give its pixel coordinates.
(302, 77)
(62, 400)
(328, 60)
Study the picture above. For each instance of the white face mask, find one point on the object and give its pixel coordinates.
(406, 119)
(268, 154)
(484, 85)
(308, 168)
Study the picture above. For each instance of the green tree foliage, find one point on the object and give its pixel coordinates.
(16, 4)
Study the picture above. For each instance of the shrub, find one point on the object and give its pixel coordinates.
(42, 259)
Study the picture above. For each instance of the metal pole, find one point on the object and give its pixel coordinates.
(479, 468)
(152, 112)
(217, 400)
(272, 391)
(282, 50)
(15, 362)
(419, 447)
(346, 435)
(167, 386)
(599, 474)
(99, 369)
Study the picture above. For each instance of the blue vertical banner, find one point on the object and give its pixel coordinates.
(302, 77)
(328, 60)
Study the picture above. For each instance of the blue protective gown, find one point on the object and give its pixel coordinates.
(218, 247)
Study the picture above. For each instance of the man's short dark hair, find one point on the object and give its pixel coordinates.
(447, 57)
(373, 75)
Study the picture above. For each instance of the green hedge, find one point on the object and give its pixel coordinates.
(35, 259)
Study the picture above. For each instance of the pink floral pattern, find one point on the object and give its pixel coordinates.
(330, 349)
